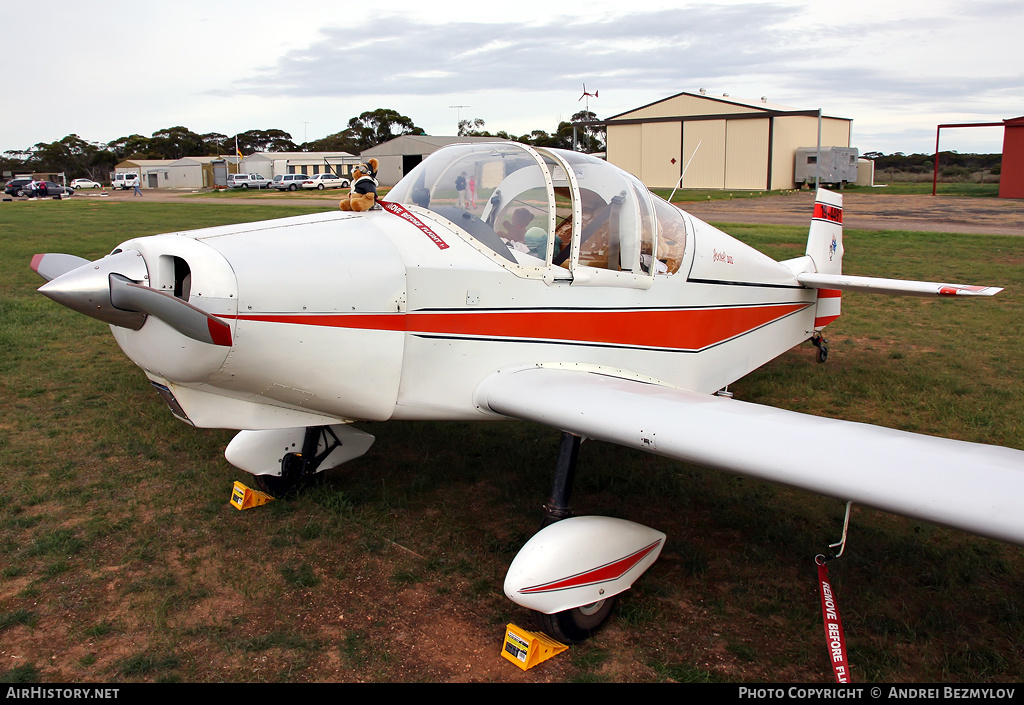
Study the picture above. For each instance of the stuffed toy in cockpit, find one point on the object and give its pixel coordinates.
(363, 192)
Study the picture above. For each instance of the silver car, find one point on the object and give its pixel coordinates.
(248, 181)
(288, 182)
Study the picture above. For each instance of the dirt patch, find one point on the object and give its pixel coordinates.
(876, 211)
(865, 211)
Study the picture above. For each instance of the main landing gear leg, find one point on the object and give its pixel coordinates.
(296, 467)
(819, 342)
(557, 506)
(575, 625)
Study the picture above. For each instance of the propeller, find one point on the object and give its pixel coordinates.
(109, 290)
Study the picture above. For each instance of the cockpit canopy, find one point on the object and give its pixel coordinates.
(548, 207)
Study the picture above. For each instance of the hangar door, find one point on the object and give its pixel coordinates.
(729, 153)
(746, 154)
(661, 148)
(707, 168)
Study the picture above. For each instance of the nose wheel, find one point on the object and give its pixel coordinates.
(296, 468)
(576, 625)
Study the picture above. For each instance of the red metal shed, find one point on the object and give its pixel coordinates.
(1011, 178)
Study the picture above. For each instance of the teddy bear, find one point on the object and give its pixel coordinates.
(363, 190)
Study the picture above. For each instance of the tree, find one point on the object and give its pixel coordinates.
(343, 141)
(178, 142)
(471, 128)
(266, 141)
(131, 146)
(378, 126)
(216, 143)
(590, 138)
(71, 156)
(13, 160)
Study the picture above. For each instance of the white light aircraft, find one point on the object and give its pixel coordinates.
(567, 295)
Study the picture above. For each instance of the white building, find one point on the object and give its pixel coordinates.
(152, 173)
(201, 172)
(270, 164)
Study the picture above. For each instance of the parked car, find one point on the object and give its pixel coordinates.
(46, 189)
(14, 187)
(85, 183)
(322, 181)
(288, 182)
(248, 181)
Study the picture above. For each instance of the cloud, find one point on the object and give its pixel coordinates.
(652, 49)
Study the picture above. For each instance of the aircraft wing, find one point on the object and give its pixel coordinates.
(970, 486)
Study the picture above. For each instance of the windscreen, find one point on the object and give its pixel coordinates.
(497, 193)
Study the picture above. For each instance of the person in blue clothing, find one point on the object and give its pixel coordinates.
(137, 191)
(460, 187)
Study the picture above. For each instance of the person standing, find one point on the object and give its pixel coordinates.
(460, 186)
(472, 192)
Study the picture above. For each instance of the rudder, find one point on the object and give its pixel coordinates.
(825, 237)
(825, 248)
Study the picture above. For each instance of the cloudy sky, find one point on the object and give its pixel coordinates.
(898, 68)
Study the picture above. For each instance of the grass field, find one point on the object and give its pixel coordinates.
(122, 560)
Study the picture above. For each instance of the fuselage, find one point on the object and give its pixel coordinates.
(400, 313)
(364, 317)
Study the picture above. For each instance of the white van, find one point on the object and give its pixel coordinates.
(125, 180)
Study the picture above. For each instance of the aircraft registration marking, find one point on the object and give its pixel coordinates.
(823, 211)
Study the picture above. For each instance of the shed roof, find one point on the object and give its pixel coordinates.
(315, 156)
(189, 161)
(420, 144)
(145, 162)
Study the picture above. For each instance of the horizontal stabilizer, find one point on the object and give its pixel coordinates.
(896, 287)
(969, 486)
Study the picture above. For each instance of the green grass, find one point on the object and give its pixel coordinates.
(689, 195)
(952, 188)
(122, 559)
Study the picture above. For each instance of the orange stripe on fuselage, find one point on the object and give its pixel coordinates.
(682, 329)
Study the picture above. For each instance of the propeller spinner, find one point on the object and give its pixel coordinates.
(109, 290)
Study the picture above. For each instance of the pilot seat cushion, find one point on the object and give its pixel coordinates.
(363, 191)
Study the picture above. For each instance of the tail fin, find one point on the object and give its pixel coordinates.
(825, 237)
(825, 248)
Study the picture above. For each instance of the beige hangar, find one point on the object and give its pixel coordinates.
(744, 145)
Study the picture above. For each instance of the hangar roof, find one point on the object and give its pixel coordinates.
(708, 104)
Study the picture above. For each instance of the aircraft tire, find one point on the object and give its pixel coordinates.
(576, 625)
(278, 486)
